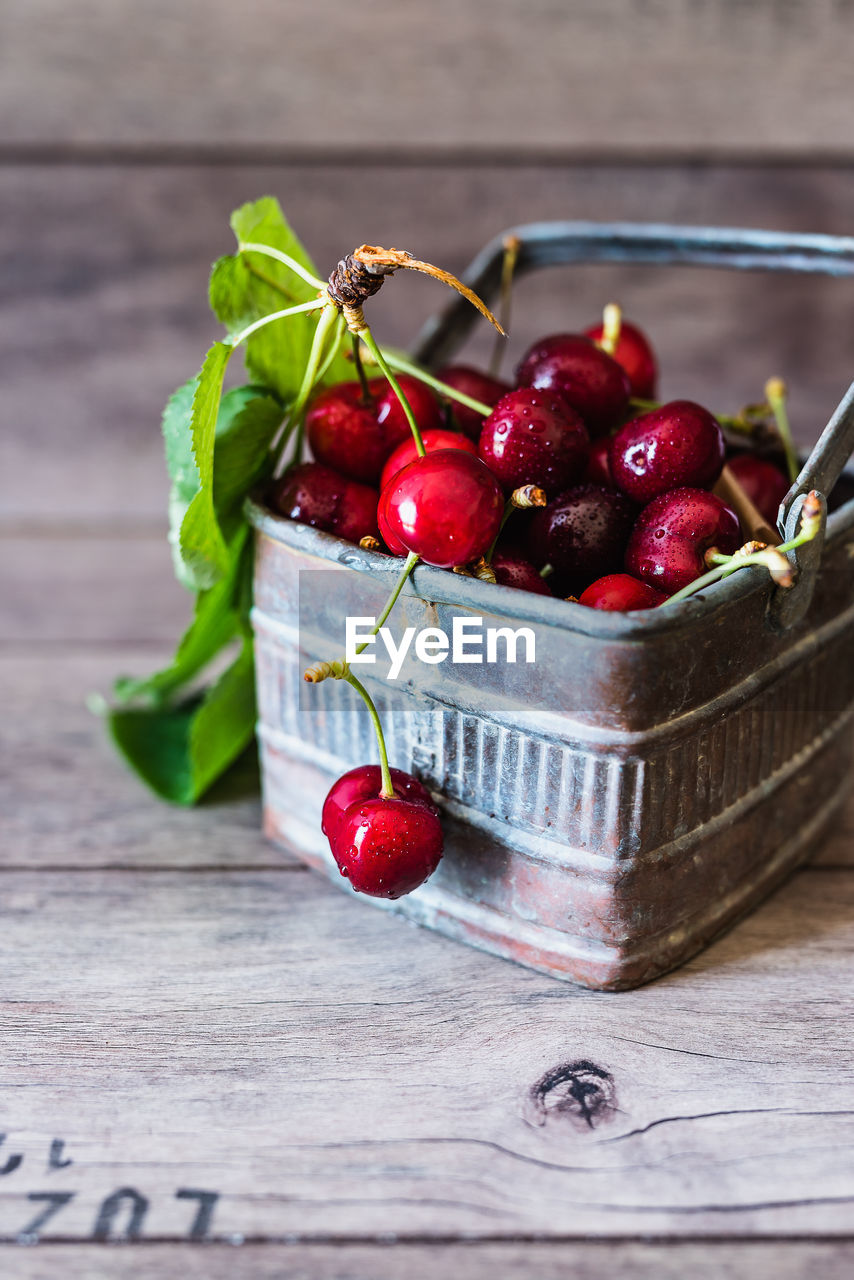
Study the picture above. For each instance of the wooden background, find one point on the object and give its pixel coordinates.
(188, 1013)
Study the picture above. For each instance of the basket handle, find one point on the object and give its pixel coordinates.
(548, 244)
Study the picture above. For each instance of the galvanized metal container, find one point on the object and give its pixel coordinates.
(611, 808)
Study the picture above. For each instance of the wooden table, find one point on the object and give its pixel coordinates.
(210, 1054)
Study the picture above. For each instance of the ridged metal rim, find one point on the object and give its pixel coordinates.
(442, 587)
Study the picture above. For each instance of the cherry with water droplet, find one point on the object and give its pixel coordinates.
(534, 437)
(593, 383)
(319, 496)
(582, 534)
(676, 446)
(354, 436)
(388, 847)
(365, 783)
(512, 569)
(672, 535)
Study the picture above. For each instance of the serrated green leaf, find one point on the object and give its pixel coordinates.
(201, 543)
(246, 287)
(248, 421)
(220, 614)
(179, 751)
(178, 441)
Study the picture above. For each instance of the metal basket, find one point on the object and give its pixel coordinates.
(611, 808)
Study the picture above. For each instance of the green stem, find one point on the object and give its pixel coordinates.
(732, 423)
(314, 305)
(286, 260)
(411, 562)
(775, 390)
(370, 342)
(406, 366)
(512, 245)
(387, 789)
(367, 398)
(505, 516)
(328, 318)
(725, 565)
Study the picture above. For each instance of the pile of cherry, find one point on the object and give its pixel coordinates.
(630, 514)
(624, 518)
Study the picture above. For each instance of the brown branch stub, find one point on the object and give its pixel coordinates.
(360, 275)
(370, 543)
(528, 495)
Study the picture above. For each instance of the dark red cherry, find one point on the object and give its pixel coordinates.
(388, 847)
(764, 484)
(582, 534)
(598, 465)
(673, 534)
(434, 439)
(422, 401)
(356, 438)
(321, 497)
(513, 570)
(344, 433)
(534, 437)
(480, 386)
(445, 507)
(679, 445)
(364, 783)
(589, 379)
(619, 592)
(635, 354)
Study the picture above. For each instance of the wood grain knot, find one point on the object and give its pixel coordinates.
(579, 1092)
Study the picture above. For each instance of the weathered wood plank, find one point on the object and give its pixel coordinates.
(600, 74)
(104, 285)
(67, 800)
(328, 1070)
(471, 1261)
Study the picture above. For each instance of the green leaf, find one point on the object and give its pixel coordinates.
(250, 285)
(179, 751)
(200, 541)
(248, 420)
(221, 613)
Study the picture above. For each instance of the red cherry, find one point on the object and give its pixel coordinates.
(673, 534)
(391, 540)
(445, 507)
(679, 445)
(321, 497)
(534, 437)
(422, 401)
(619, 592)
(582, 534)
(598, 466)
(635, 354)
(388, 847)
(513, 570)
(764, 484)
(356, 438)
(480, 386)
(364, 783)
(589, 379)
(434, 439)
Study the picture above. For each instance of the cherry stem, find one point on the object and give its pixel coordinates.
(733, 422)
(406, 366)
(314, 305)
(367, 398)
(612, 323)
(520, 499)
(370, 342)
(775, 390)
(387, 791)
(269, 252)
(725, 565)
(411, 562)
(328, 318)
(512, 245)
